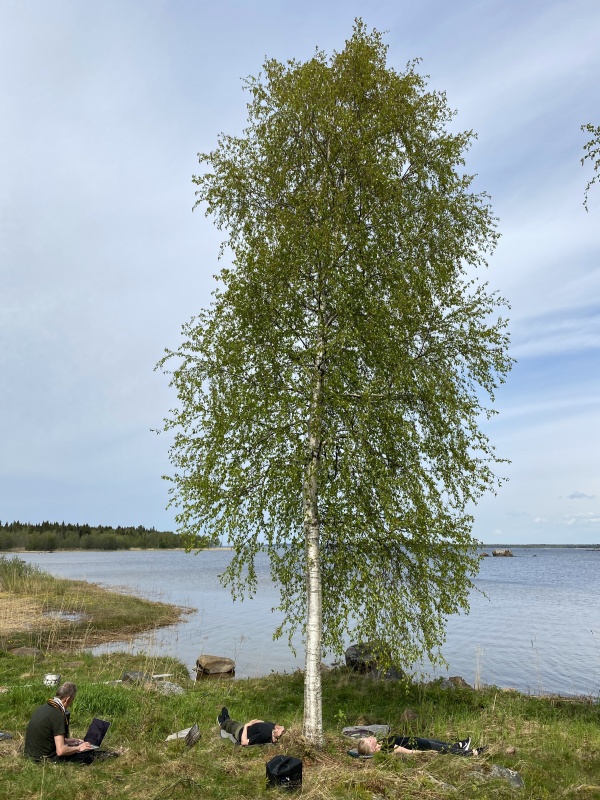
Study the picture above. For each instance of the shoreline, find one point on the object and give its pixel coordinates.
(66, 614)
(190, 636)
(590, 547)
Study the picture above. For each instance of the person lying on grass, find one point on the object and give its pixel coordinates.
(409, 744)
(254, 732)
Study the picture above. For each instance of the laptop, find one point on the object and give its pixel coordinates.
(96, 732)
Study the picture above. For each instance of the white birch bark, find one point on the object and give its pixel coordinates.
(313, 698)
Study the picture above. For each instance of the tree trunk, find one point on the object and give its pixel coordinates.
(313, 698)
(313, 706)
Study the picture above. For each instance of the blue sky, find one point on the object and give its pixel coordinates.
(103, 107)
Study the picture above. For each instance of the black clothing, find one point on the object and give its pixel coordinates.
(260, 733)
(413, 743)
(257, 733)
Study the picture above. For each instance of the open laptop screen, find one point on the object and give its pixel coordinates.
(96, 732)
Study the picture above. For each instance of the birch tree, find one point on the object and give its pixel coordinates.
(331, 398)
(592, 153)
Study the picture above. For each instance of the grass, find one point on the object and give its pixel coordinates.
(553, 743)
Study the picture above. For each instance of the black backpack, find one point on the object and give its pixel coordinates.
(285, 772)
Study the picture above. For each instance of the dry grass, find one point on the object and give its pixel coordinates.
(52, 613)
(20, 614)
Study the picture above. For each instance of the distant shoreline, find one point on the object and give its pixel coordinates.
(590, 547)
(17, 550)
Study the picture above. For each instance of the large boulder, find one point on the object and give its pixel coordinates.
(502, 553)
(455, 682)
(360, 658)
(390, 674)
(214, 665)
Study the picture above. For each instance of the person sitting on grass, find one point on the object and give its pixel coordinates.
(254, 732)
(47, 734)
(409, 744)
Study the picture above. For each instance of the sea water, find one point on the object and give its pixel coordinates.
(534, 622)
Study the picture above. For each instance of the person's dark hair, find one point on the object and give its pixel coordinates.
(68, 689)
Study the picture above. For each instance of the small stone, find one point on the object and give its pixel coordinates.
(408, 715)
(510, 775)
(179, 735)
(456, 682)
(499, 773)
(445, 787)
(360, 658)
(168, 688)
(135, 677)
(26, 651)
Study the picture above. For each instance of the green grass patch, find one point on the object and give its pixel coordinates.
(554, 744)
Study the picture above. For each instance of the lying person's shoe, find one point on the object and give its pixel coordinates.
(461, 747)
(223, 716)
(477, 751)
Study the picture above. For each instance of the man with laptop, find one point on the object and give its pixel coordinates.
(47, 734)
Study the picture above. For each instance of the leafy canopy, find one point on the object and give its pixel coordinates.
(350, 332)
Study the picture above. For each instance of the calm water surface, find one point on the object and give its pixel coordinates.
(537, 628)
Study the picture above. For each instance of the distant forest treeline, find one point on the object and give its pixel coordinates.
(63, 536)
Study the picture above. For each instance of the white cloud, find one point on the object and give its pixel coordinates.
(585, 520)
